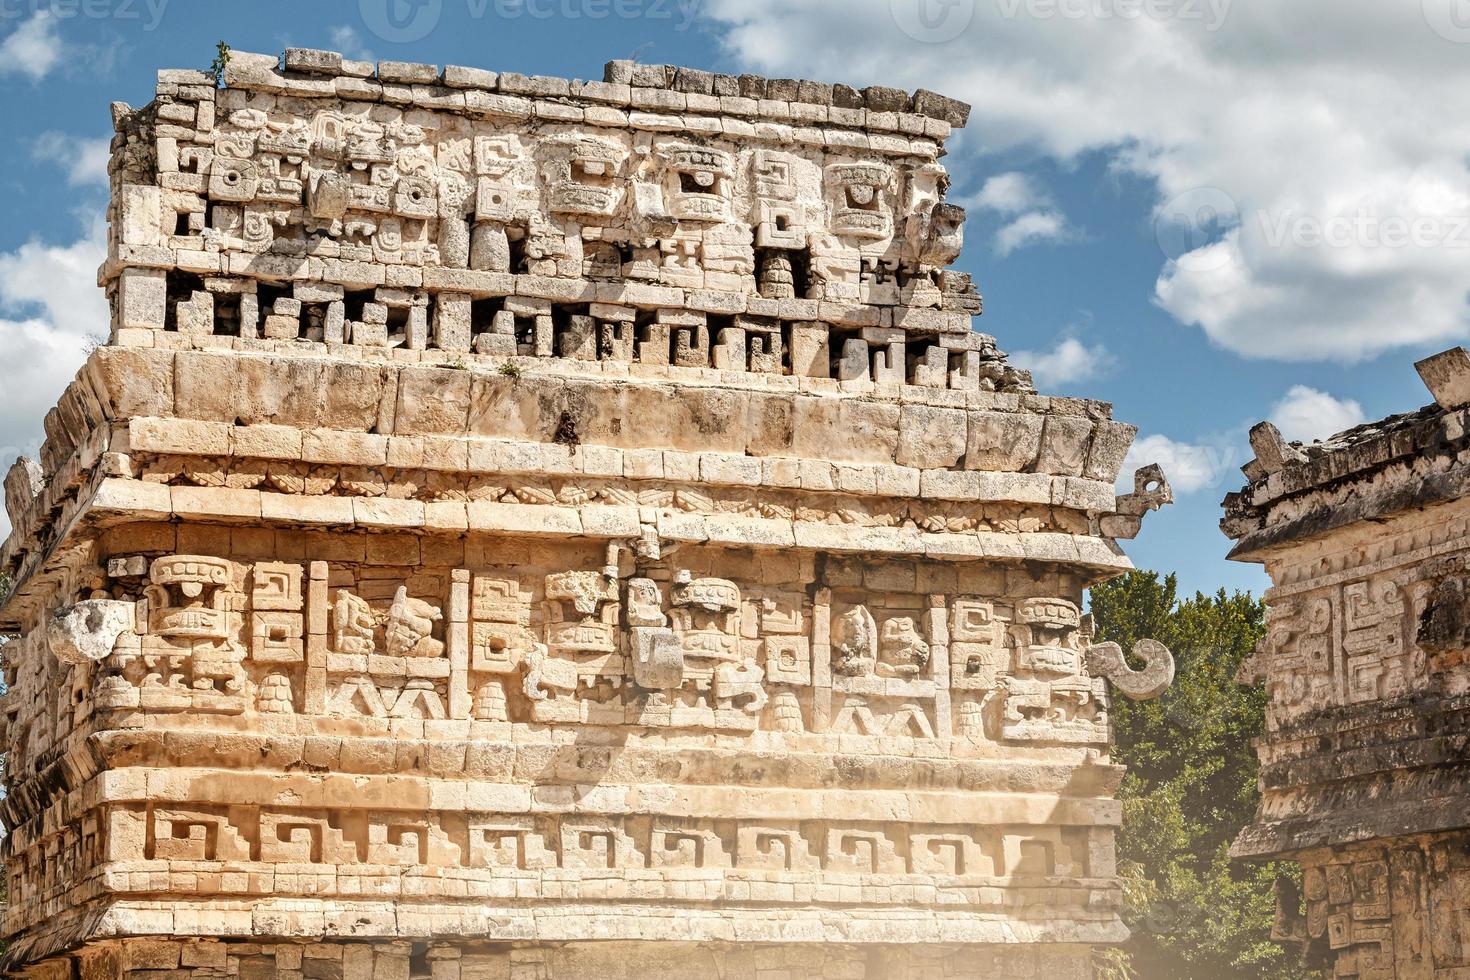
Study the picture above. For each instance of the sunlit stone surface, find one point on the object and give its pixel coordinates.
(522, 528)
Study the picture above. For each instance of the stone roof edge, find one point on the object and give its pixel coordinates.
(1384, 452)
(1274, 840)
(620, 80)
(673, 78)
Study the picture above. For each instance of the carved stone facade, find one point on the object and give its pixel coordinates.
(522, 528)
(1367, 541)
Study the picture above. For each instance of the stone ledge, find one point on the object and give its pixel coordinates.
(483, 456)
(285, 393)
(117, 501)
(307, 270)
(993, 432)
(489, 750)
(170, 344)
(400, 792)
(316, 391)
(309, 918)
(1277, 839)
(305, 71)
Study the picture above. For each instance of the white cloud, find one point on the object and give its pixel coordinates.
(1034, 219)
(1218, 96)
(43, 363)
(1032, 228)
(1069, 361)
(57, 284)
(83, 158)
(348, 43)
(1190, 467)
(1008, 193)
(50, 312)
(1306, 414)
(33, 48)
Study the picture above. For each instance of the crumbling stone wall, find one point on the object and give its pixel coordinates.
(531, 528)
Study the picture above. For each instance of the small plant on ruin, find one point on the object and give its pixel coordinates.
(220, 62)
(511, 369)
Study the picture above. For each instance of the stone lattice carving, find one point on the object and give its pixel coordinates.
(530, 528)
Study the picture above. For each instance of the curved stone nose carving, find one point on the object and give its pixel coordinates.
(1107, 660)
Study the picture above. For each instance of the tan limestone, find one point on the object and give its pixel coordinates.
(523, 528)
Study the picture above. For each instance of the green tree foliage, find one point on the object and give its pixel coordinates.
(1191, 786)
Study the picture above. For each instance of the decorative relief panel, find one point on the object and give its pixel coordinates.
(596, 841)
(1382, 911)
(330, 180)
(340, 852)
(661, 649)
(1354, 643)
(1048, 695)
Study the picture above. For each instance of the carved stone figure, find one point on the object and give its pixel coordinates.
(354, 625)
(902, 652)
(410, 625)
(857, 643)
(1049, 697)
(1145, 683)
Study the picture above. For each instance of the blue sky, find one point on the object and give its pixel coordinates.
(1207, 212)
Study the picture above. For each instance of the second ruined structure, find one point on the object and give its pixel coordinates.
(1366, 537)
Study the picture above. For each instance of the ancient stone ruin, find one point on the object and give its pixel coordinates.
(1367, 540)
(521, 528)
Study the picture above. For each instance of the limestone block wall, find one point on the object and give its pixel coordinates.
(1366, 538)
(533, 528)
